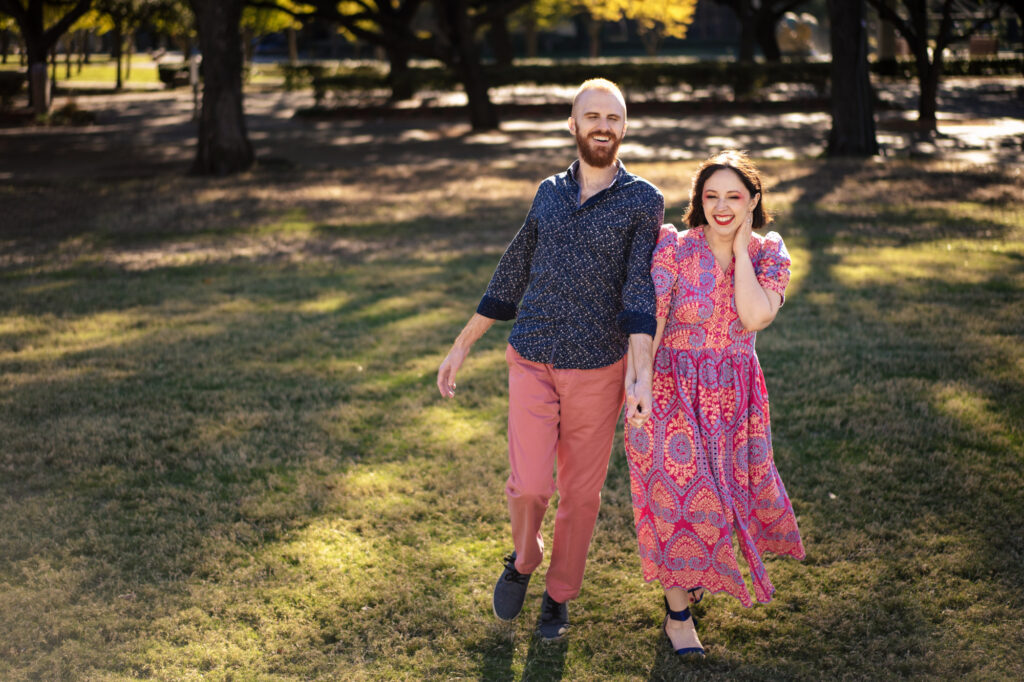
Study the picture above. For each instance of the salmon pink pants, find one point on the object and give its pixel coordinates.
(566, 416)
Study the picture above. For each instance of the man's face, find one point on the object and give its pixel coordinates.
(599, 123)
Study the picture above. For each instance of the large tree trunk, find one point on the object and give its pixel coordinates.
(853, 121)
(293, 46)
(594, 33)
(928, 80)
(748, 37)
(223, 141)
(501, 42)
(530, 28)
(38, 40)
(463, 57)
(765, 34)
(399, 76)
(5, 45)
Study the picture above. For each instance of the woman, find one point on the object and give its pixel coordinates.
(701, 463)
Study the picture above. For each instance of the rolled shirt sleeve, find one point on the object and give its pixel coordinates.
(508, 283)
(638, 301)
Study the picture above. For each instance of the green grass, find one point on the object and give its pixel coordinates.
(102, 69)
(223, 455)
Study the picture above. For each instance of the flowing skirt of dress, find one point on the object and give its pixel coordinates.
(703, 465)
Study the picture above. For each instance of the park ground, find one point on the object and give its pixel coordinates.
(223, 456)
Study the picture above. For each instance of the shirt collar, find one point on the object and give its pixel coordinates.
(574, 168)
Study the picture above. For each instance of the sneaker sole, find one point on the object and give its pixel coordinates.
(501, 618)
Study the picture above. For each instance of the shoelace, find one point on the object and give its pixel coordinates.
(512, 575)
(550, 610)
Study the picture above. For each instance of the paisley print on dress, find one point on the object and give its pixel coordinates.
(703, 466)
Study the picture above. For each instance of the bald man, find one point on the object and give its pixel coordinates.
(576, 278)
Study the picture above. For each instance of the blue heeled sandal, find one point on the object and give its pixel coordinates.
(681, 616)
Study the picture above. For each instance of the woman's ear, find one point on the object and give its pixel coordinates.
(753, 201)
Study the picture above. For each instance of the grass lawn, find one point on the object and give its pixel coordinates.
(102, 69)
(222, 454)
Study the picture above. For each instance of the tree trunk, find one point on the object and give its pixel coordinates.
(765, 34)
(67, 56)
(131, 53)
(223, 141)
(501, 42)
(651, 38)
(247, 47)
(530, 28)
(293, 46)
(118, 52)
(594, 33)
(748, 37)
(87, 51)
(928, 80)
(399, 77)
(463, 57)
(5, 44)
(853, 121)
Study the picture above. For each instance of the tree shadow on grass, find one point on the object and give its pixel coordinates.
(923, 445)
(270, 464)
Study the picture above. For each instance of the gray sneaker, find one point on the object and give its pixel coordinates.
(554, 619)
(510, 591)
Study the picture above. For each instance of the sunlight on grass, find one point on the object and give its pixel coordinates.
(949, 262)
(225, 456)
(327, 303)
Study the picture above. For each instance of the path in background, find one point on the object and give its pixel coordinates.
(144, 134)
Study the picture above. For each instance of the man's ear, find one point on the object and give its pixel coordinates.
(572, 125)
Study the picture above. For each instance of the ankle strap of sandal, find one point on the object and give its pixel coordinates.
(679, 615)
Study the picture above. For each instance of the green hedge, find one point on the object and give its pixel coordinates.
(744, 79)
(906, 67)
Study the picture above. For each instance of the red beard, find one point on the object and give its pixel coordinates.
(601, 157)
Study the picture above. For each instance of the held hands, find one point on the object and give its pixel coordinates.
(639, 400)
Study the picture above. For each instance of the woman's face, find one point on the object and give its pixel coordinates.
(726, 201)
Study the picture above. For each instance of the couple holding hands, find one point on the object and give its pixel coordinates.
(613, 307)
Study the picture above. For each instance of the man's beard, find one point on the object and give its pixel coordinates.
(602, 157)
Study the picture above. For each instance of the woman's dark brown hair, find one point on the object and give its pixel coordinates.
(738, 162)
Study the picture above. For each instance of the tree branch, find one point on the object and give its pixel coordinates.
(51, 34)
(904, 27)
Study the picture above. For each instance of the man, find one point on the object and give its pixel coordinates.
(580, 264)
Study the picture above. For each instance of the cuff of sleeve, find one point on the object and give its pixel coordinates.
(633, 322)
(495, 309)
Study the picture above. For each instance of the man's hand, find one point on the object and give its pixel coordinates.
(474, 329)
(446, 373)
(639, 398)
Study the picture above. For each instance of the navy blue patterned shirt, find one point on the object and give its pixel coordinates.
(583, 273)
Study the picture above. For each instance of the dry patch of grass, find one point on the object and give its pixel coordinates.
(223, 456)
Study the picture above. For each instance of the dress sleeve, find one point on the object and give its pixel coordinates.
(772, 268)
(664, 269)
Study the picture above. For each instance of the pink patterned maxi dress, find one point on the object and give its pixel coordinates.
(702, 464)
